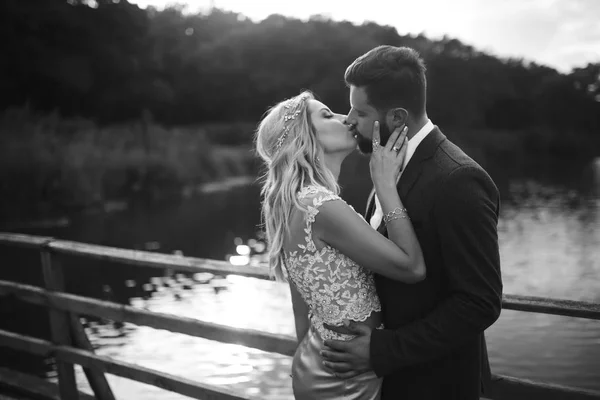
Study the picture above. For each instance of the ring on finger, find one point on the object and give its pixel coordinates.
(396, 148)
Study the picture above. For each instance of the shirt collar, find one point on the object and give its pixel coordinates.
(421, 134)
(416, 140)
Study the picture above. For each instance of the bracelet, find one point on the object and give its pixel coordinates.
(396, 213)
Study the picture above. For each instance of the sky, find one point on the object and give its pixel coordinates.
(562, 34)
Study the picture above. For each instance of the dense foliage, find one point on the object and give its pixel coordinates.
(115, 62)
(111, 101)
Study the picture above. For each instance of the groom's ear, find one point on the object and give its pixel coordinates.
(397, 117)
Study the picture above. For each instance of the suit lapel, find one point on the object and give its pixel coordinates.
(414, 168)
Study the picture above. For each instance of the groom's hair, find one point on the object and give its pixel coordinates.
(392, 77)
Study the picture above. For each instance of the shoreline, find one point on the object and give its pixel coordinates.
(113, 206)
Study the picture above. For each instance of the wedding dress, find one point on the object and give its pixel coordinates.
(335, 288)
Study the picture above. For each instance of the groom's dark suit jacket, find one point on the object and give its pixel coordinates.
(433, 346)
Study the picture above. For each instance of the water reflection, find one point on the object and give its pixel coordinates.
(550, 246)
(246, 303)
(550, 239)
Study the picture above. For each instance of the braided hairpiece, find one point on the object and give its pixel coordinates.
(292, 110)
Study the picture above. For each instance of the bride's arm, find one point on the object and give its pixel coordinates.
(399, 227)
(399, 258)
(385, 165)
(300, 313)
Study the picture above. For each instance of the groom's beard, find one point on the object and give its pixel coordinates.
(365, 145)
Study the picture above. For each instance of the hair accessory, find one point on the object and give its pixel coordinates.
(293, 109)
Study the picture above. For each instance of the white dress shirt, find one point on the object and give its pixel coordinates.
(412, 145)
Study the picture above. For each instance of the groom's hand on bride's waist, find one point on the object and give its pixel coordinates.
(347, 359)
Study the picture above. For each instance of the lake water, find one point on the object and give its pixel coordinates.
(550, 246)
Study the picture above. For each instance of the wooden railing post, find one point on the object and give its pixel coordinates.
(59, 326)
(95, 376)
(67, 331)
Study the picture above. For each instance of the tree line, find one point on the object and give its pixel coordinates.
(115, 62)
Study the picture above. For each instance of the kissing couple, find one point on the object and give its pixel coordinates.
(393, 304)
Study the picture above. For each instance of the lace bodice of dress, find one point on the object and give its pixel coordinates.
(332, 285)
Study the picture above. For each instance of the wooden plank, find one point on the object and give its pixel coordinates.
(563, 307)
(95, 377)
(83, 305)
(509, 388)
(32, 386)
(505, 388)
(124, 369)
(568, 308)
(133, 257)
(156, 260)
(19, 240)
(269, 342)
(59, 327)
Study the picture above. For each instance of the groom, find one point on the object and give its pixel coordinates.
(433, 346)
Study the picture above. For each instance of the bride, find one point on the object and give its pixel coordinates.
(326, 250)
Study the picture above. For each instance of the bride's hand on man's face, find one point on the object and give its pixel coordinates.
(386, 161)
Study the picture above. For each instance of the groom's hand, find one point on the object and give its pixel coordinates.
(348, 359)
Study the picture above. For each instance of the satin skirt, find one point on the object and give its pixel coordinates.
(311, 381)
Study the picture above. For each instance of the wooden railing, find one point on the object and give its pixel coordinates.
(70, 345)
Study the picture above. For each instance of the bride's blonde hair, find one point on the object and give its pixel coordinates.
(286, 141)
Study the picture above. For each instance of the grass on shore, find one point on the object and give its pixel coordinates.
(53, 165)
